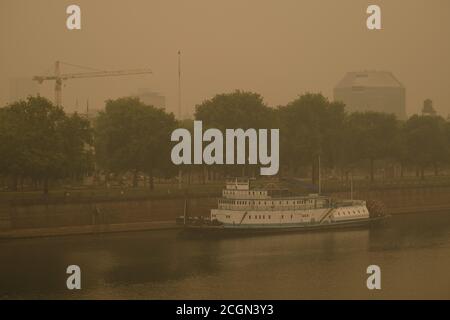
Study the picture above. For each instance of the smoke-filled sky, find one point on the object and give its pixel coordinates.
(279, 49)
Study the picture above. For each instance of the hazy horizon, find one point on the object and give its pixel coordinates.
(279, 50)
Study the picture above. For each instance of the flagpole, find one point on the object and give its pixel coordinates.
(180, 171)
(179, 84)
(320, 178)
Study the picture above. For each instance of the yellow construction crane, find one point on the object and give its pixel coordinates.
(59, 77)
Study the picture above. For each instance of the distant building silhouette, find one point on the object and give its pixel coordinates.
(376, 91)
(428, 109)
(21, 88)
(151, 98)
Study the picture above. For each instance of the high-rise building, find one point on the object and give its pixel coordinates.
(21, 88)
(376, 91)
(151, 98)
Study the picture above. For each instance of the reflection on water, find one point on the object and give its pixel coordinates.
(413, 252)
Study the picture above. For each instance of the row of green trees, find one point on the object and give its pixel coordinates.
(39, 142)
(312, 127)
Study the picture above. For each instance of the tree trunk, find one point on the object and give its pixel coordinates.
(203, 175)
(422, 173)
(135, 179)
(14, 183)
(151, 182)
(46, 186)
(189, 175)
(372, 169)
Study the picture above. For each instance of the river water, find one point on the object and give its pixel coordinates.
(413, 252)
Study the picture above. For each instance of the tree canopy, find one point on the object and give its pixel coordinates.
(311, 126)
(240, 109)
(39, 141)
(132, 136)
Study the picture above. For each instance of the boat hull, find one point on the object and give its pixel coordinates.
(267, 229)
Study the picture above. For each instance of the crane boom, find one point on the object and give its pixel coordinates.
(97, 74)
(60, 77)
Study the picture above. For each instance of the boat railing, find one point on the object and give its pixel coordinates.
(349, 203)
(268, 208)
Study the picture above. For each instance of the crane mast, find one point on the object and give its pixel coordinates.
(58, 77)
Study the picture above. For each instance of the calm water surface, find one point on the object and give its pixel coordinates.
(413, 252)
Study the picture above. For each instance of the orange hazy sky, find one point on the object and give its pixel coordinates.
(279, 49)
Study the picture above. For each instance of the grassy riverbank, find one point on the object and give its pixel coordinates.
(170, 191)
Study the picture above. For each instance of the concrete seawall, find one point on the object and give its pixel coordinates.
(113, 216)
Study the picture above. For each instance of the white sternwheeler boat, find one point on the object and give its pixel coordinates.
(247, 207)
